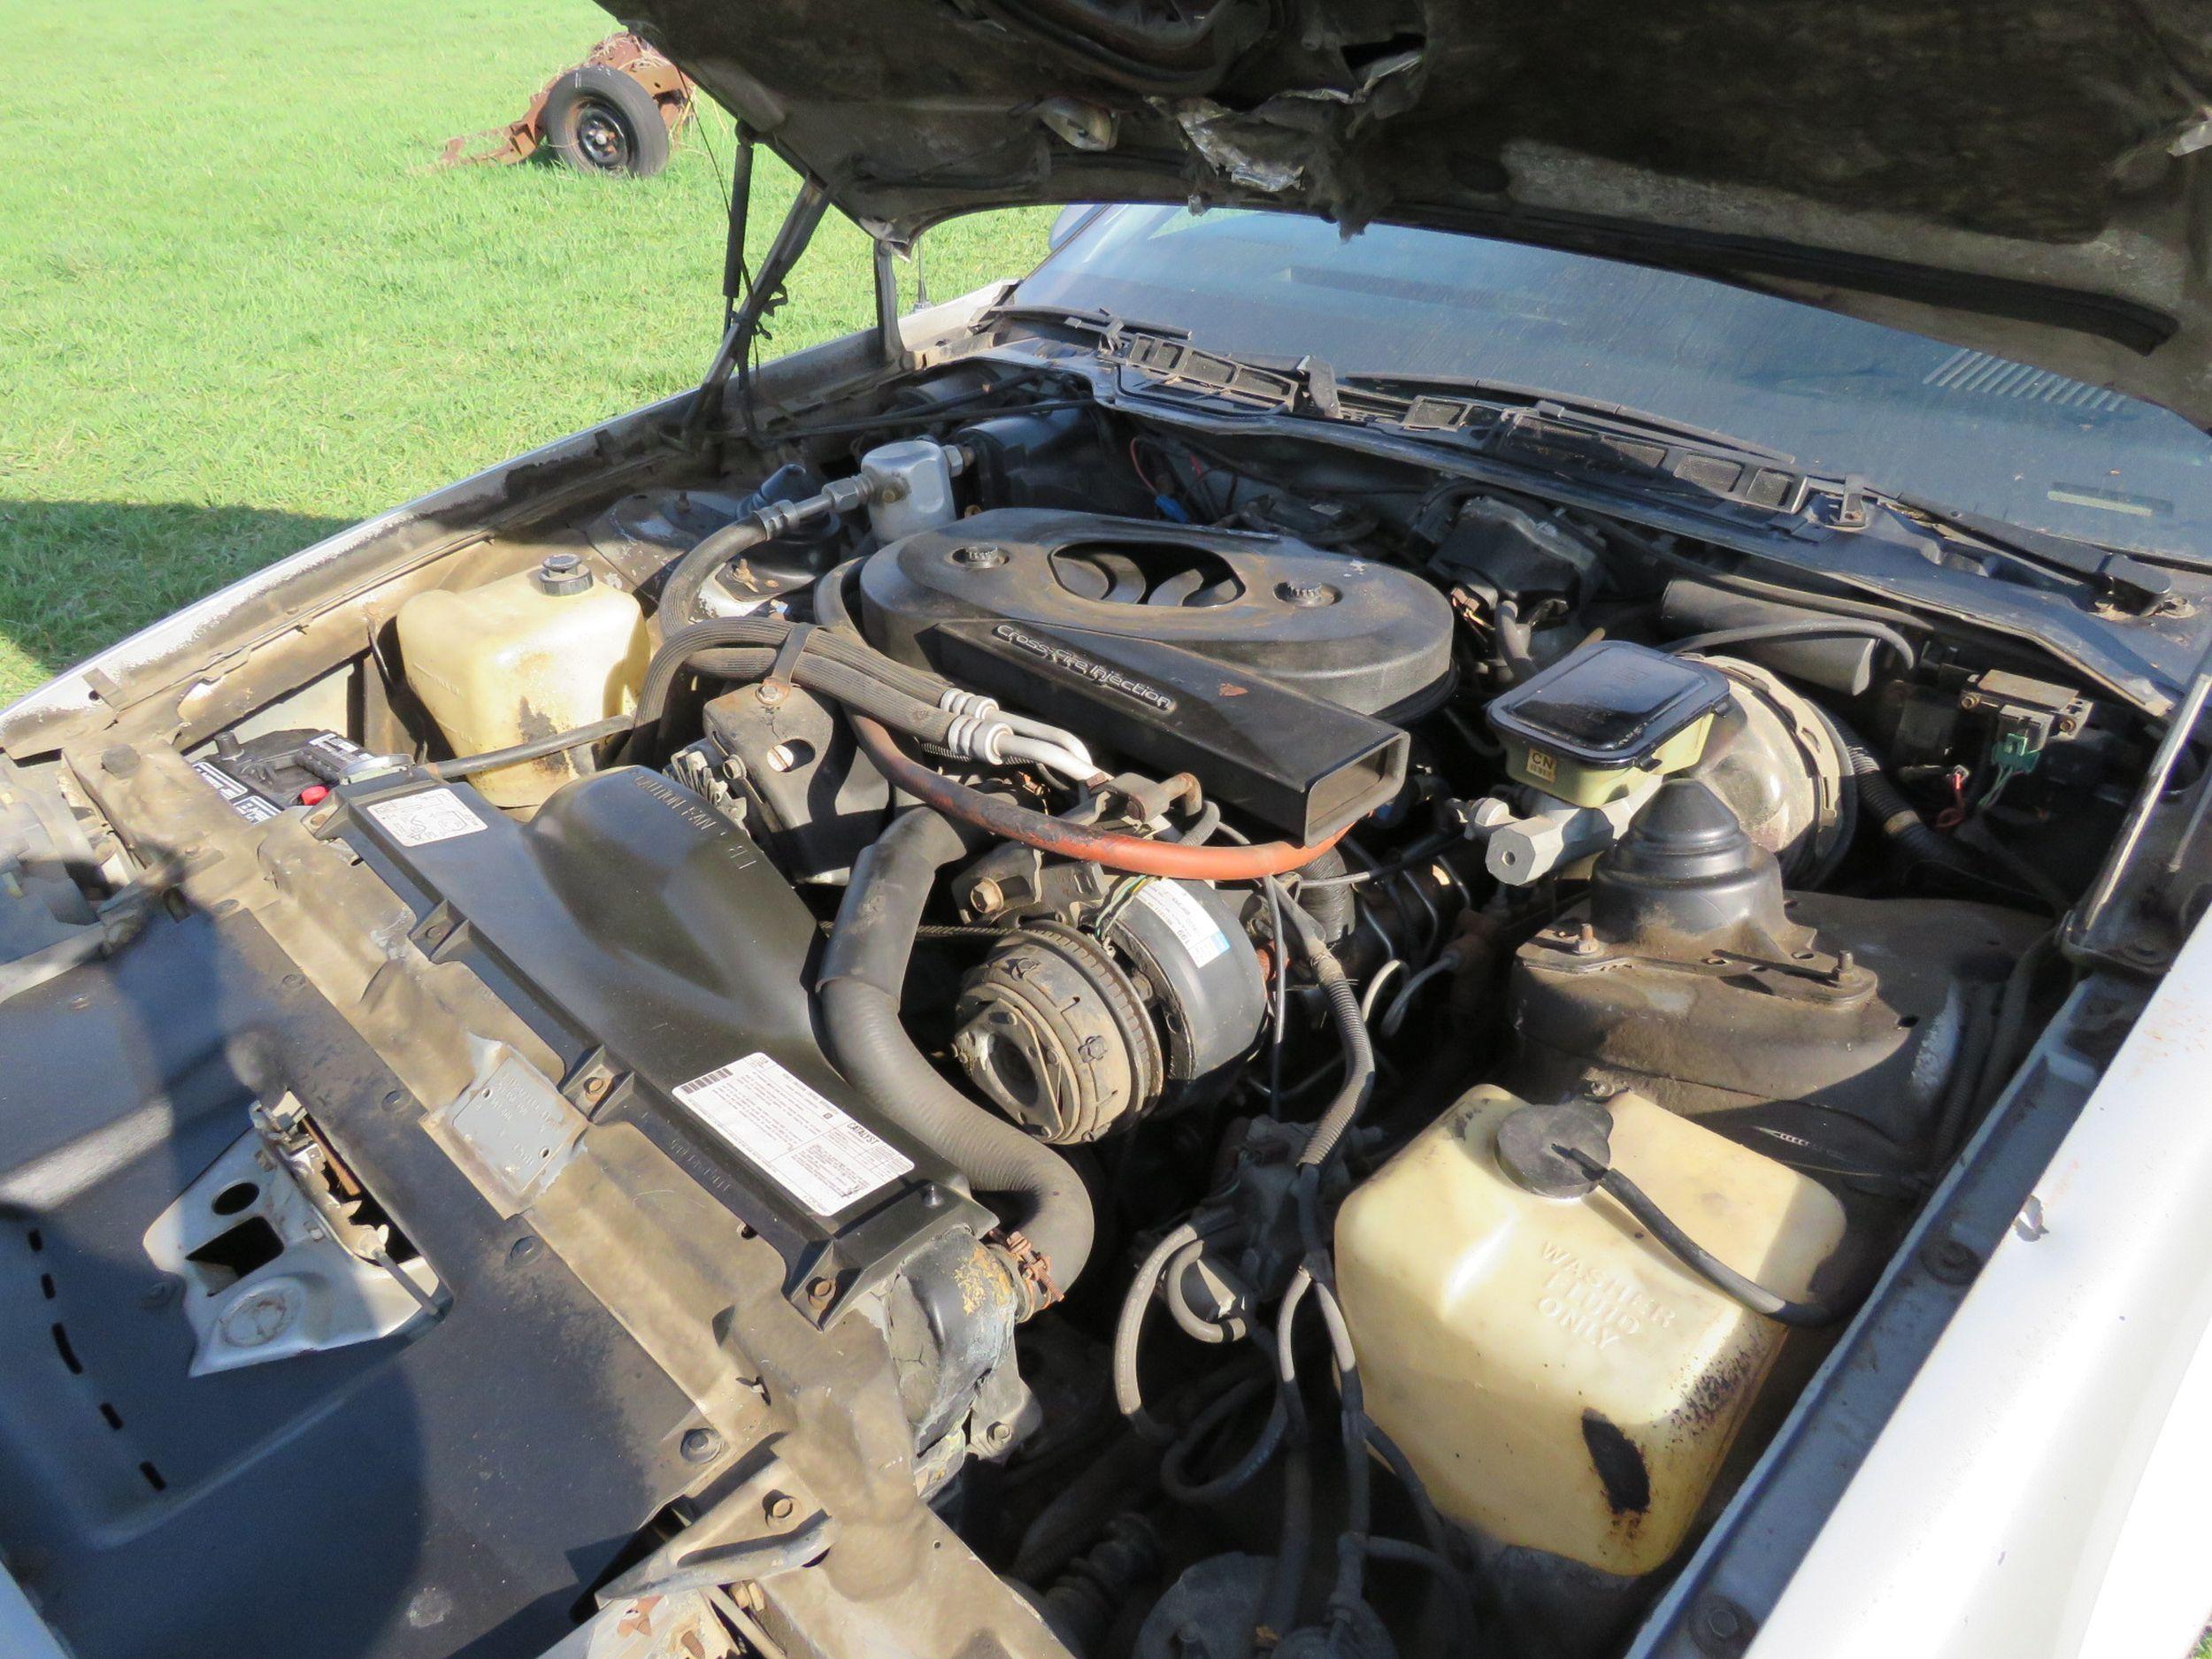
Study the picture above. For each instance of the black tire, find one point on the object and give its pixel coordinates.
(599, 120)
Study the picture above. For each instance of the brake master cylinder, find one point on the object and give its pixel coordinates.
(1589, 741)
(1558, 1378)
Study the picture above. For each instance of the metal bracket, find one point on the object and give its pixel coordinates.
(280, 1255)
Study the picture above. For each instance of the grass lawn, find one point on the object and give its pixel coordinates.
(238, 311)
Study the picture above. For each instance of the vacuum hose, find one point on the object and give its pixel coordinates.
(1889, 808)
(863, 973)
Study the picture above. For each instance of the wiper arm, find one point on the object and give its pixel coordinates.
(1109, 326)
(1505, 398)
(1520, 425)
(1555, 429)
(2130, 581)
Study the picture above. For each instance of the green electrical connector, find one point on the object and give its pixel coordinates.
(2016, 751)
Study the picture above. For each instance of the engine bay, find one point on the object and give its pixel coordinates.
(1250, 1046)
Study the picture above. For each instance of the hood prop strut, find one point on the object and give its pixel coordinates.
(749, 297)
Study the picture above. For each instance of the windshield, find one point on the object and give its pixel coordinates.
(1957, 428)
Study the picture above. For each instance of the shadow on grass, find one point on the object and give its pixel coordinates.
(78, 575)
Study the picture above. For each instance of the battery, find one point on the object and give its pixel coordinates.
(264, 775)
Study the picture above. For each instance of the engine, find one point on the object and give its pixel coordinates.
(1302, 1053)
(1320, 927)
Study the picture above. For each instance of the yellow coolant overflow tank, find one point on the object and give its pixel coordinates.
(545, 651)
(1559, 1378)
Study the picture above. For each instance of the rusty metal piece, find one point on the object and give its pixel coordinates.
(1035, 1271)
(518, 139)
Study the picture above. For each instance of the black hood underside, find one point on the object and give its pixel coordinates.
(2020, 176)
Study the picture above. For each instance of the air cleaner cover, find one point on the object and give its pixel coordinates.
(1267, 668)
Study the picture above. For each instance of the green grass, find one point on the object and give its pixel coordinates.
(239, 310)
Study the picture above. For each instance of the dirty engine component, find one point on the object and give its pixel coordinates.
(1150, 997)
(1267, 669)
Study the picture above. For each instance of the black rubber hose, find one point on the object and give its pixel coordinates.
(825, 649)
(1977, 1025)
(2012, 1015)
(863, 977)
(1453, 1587)
(1359, 1053)
(834, 664)
(1825, 627)
(536, 748)
(1122, 1476)
(830, 608)
(1326, 895)
(1358, 1467)
(680, 592)
(1175, 1477)
(1885, 803)
(1700, 1260)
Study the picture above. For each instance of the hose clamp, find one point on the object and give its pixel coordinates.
(1030, 1266)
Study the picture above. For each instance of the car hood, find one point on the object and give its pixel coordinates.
(2024, 177)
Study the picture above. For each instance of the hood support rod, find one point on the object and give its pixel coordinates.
(764, 291)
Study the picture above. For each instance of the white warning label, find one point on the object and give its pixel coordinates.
(813, 1149)
(255, 809)
(221, 783)
(1186, 920)
(415, 820)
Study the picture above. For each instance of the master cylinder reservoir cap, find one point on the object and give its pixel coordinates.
(1535, 1144)
(1606, 718)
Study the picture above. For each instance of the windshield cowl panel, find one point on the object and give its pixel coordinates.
(1914, 417)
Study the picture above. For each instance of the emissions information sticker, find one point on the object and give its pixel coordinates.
(814, 1150)
(1186, 920)
(415, 820)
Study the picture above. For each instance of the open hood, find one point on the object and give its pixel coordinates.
(2024, 176)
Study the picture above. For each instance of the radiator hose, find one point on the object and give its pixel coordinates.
(863, 977)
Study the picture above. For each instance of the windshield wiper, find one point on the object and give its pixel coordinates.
(1563, 431)
(1109, 326)
(1459, 399)
(2129, 581)
(1553, 432)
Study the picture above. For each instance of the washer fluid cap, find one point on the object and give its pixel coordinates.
(561, 573)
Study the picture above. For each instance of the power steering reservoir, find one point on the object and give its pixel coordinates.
(1558, 1378)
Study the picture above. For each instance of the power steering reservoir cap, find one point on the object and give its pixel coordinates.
(1534, 1144)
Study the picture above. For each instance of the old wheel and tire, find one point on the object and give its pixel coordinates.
(599, 120)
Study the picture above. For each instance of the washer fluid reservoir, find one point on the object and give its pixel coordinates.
(542, 651)
(1558, 1379)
